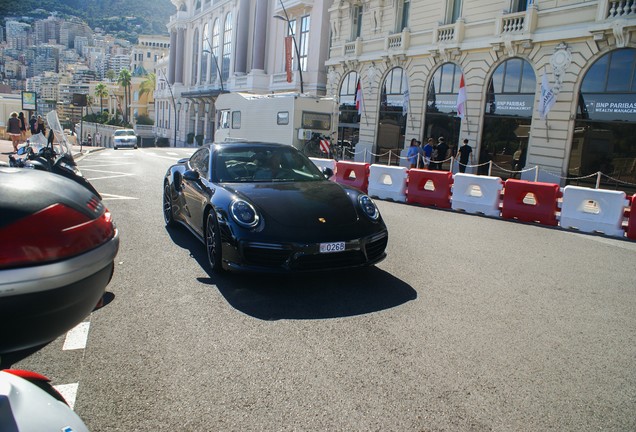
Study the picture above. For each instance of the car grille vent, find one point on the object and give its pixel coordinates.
(266, 257)
(376, 248)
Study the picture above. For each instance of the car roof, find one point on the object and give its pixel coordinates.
(246, 143)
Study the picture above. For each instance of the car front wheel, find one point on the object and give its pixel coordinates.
(213, 243)
(168, 216)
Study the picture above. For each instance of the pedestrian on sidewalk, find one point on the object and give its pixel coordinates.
(98, 139)
(41, 127)
(22, 127)
(13, 130)
(33, 122)
(89, 140)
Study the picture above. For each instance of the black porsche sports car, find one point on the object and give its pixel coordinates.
(267, 208)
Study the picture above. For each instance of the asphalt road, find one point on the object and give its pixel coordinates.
(470, 324)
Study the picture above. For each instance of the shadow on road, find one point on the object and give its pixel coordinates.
(302, 296)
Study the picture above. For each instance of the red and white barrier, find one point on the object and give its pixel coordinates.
(388, 182)
(354, 174)
(477, 194)
(593, 210)
(531, 201)
(631, 221)
(429, 188)
(325, 163)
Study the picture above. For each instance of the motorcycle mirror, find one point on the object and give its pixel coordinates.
(22, 150)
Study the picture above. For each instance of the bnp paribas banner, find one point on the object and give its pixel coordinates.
(608, 107)
(514, 105)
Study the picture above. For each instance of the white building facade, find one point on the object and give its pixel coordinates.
(236, 46)
(410, 58)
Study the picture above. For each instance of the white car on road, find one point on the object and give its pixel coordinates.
(124, 138)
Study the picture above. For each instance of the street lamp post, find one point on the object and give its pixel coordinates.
(293, 35)
(174, 106)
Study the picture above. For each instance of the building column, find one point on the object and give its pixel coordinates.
(173, 56)
(179, 60)
(260, 35)
(242, 37)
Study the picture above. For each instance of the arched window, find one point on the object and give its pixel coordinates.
(392, 122)
(227, 47)
(510, 97)
(349, 120)
(441, 106)
(605, 124)
(216, 49)
(205, 53)
(195, 56)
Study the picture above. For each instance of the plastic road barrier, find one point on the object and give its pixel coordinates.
(593, 210)
(477, 194)
(631, 222)
(429, 188)
(388, 182)
(354, 174)
(531, 201)
(325, 163)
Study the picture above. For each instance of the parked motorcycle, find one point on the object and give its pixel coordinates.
(58, 244)
(52, 154)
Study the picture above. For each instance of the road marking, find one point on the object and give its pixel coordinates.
(77, 337)
(172, 158)
(116, 174)
(107, 165)
(172, 153)
(69, 392)
(106, 196)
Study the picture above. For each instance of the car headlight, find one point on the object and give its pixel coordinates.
(368, 207)
(244, 213)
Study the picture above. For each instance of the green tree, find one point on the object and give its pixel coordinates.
(101, 91)
(125, 80)
(110, 75)
(148, 85)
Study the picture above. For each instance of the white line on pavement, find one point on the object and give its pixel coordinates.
(106, 196)
(77, 337)
(69, 392)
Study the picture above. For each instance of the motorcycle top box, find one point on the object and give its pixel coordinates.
(57, 247)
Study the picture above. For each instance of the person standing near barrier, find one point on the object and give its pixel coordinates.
(41, 128)
(89, 140)
(428, 152)
(465, 153)
(413, 154)
(442, 153)
(98, 139)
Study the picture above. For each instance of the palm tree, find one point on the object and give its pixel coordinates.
(101, 91)
(125, 80)
(110, 75)
(148, 85)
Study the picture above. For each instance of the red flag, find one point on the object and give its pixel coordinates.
(288, 58)
(358, 98)
(461, 98)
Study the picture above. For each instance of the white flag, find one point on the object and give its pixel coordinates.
(461, 98)
(407, 98)
(547, 97)
(358, 98)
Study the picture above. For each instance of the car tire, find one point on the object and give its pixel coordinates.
(115, 148)
(168, 215)
(213, 243)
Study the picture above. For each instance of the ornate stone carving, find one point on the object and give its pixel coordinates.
(560, 61)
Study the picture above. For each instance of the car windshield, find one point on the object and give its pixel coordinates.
(124, 133)
(245, 164)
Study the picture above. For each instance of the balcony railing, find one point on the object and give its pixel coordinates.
(621, 8)
(513, 23)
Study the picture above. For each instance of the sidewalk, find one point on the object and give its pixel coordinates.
(6, 148)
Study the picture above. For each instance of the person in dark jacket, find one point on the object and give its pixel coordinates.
(13, 130)
(22, 126)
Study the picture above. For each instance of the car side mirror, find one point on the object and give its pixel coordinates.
(191, 175)
(328, 172)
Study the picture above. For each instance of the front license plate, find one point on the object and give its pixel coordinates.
(332, 247)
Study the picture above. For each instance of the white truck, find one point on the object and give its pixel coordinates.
(288, 118)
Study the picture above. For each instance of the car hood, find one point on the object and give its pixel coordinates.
(301, 204)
